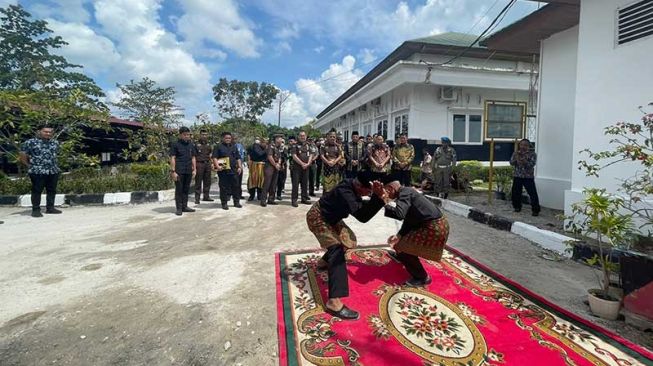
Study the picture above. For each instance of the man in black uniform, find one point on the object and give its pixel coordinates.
(182, 169)
(226, 160)
(272, 168)
(204, 167)
(312, 170)
(302, 160)
(286, 160)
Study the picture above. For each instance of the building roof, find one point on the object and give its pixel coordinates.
(448, 39)
(525, 34)
(445, 43)
(124, 122)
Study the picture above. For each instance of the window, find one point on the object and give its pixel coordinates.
(467, 128)
(367, 129)
(504, 120)
(634, 21)
(401, 125)
(382, 128)
(345, 136)
(106, 156)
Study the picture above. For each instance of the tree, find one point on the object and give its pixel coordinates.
(26, 61)
(243, 100)
(155, 108)
(38, 87)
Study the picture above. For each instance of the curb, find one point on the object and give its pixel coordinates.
(118, 198)
(546, 239)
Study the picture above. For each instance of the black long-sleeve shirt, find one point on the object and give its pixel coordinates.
(342, 201)
(258, 154)
(413, 208)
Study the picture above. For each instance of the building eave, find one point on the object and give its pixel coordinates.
(525, 34)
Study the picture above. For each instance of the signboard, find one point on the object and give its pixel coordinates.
(504, 121)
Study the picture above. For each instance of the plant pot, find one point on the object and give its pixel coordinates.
(616, 292)
(500, 195)
(606, 309)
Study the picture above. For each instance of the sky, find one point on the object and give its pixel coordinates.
(312, 50)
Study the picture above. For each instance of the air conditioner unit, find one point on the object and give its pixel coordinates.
(448, 94)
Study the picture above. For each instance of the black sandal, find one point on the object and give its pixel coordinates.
(344, 313)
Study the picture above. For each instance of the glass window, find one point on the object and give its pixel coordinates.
(475, 128)
(505, 120)
(459, 128)
(382, 128)
(404, 124)
(397, 126)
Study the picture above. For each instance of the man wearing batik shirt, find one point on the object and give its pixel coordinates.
(325, 221)
(40, 155)
(378, 158)
(524, 160)
(355, 155)
(402, 159)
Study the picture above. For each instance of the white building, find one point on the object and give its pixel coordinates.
(401, 94)
(595, 70)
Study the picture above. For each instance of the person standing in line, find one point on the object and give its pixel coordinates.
(285, 162)
(426, 169)
(39, 154)
(183, 167)
(319, 164)
(302, 159)
(312, 170)
(204, 168)
(355, 155)
(272, 168)
(444, 160)
(241, 152)
(524, 160)
(378, 158)
(402, 157)
(257, 155)
(226, 160)
(331, 155)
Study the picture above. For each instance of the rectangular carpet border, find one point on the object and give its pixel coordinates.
(635, 350)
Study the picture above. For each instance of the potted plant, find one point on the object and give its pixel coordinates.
(503, 180)
(599, 216)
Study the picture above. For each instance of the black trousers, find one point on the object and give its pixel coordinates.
(269, 184)
(412, 265)
(182, 189)
(281, 181)
(203, 179)
(312, 171)
(403, 176)
(529, 184)
(40, 181)
(338, 281)
(351, 174)
(318, 174)
(239, 189)
(299, 176)
(228, 183)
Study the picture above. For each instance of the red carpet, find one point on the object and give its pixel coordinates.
(468, 316)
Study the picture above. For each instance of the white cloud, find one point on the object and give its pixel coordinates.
(218, 22)
(65, 10)
(147, 49)
(318, 49)
(6, 3)
(385, 24)
(85, 47)
(293, 112)
(283, 47)
(367, 56)
(287, 31)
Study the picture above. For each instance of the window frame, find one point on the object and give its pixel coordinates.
(467, 113)
(522, 105)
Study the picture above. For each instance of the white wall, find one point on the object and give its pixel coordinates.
(612, 81)
(556, 108)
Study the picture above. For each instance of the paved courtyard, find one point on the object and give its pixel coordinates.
(137, 285)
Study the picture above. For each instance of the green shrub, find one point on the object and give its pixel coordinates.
(415, 175)
(470, 170)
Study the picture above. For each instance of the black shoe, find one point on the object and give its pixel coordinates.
(344, 313)
(238, 205)
(306, 202)
(52, 210)
(414, 282)
(197, 201)
(178, 213)
(208, 199)
(251, 198)
(272, 203)
(225, 206)
(518, 210)
(278, 198)
(263, 204)
(536, 213)
(187, 209)
(37, 213)
(294, 204)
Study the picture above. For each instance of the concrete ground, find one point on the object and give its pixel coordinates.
(137, 285)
